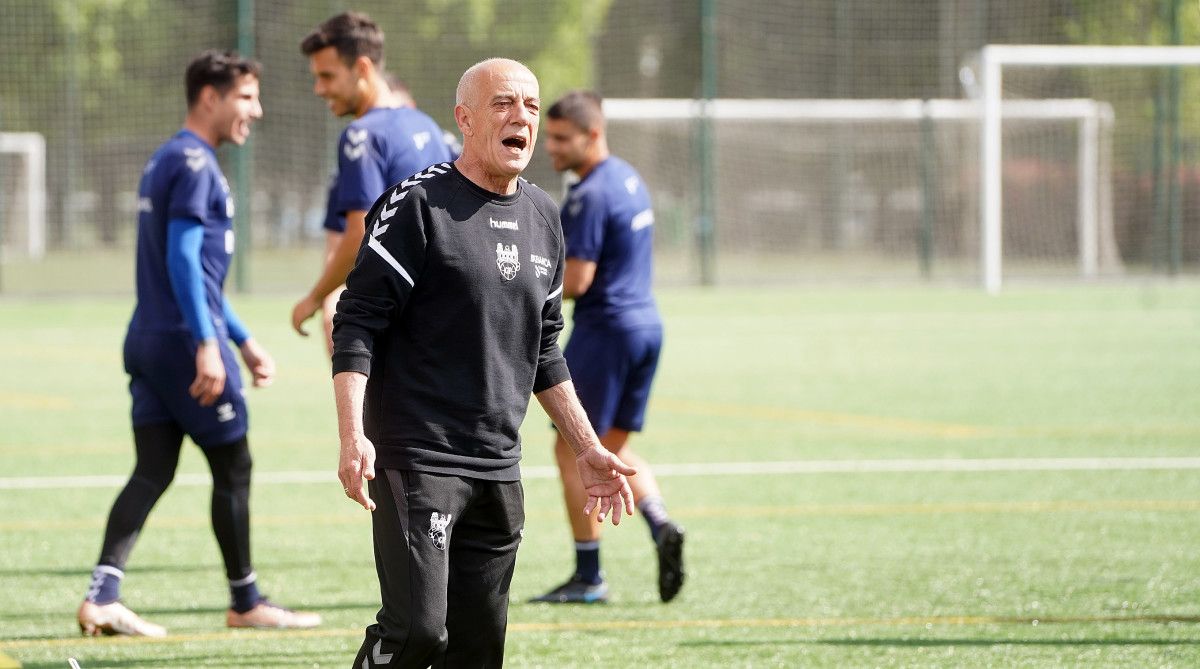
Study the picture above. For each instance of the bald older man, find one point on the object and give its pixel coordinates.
(450, 319)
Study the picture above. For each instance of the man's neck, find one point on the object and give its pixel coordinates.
(599, 155)
(473, 170)
(378, 95)
(200, 130)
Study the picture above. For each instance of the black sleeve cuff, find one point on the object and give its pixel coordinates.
(550, 374)
(351, 362)
(352, 347)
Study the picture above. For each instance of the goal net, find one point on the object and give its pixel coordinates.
(876, 190)
(1147, 222)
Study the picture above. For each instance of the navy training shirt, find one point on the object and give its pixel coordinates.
(334, 221)
(181, 180)
(607, 219)
(382, 148)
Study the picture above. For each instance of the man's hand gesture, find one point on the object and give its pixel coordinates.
(603, 476)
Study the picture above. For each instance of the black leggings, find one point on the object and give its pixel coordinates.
(158, 449)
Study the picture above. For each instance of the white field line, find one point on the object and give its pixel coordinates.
(935, 465)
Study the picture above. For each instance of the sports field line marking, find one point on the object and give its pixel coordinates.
(33, 401)
(7, 662)
(933, 465)
(584, 626)
(862, 421)
(779, 511)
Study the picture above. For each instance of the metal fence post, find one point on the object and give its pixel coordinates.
(243, 164)
(705, 142)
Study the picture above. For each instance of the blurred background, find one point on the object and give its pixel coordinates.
(824, 174)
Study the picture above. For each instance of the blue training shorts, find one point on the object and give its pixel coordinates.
(161, 367)
(612, 371)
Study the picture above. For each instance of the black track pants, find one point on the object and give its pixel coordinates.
(445, 550)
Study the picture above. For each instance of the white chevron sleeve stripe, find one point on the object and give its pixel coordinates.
(556, 293)
(387, 257)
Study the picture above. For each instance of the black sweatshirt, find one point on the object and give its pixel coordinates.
(453, 311)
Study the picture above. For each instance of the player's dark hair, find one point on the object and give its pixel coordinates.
(583, 108)
(353, 34)
(219, 69)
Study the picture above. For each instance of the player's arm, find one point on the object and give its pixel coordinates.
(258, 361)
(583, 221)
(360, 180)
(185, 236)
(377, 288)
(356, 460)
(335, 272)
(578, 277)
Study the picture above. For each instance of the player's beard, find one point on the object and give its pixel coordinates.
(567, 164)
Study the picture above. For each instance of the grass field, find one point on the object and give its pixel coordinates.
(1081, 546)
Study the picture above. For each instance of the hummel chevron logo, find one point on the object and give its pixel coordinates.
(377, 656)
(356, 144)
(354, 152)
(385, 213)
(419, 176)
(195, 158)
(402, 190)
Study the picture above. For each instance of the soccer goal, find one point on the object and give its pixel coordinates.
(1142, 84)
(27, 200)
(831, 190)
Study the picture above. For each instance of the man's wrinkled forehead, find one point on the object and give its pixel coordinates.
(505, 81)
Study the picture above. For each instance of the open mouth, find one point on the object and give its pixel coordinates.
(515, 142)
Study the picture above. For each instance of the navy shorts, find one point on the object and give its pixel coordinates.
(161, 367)
(612, 371)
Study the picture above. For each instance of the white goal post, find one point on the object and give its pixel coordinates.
(992, 61)
(31, 146)
(1094, 120)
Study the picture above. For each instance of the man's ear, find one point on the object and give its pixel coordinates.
(363, 67)
(209, 97)
(462, 116)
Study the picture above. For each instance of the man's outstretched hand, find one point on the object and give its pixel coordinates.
(603, 476)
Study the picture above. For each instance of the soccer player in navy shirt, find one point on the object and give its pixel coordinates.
(388, 140)
(182, 372)
(614, 347)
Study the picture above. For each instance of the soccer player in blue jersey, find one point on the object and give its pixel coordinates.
(388, 140)
(614, 347)
(183, 375)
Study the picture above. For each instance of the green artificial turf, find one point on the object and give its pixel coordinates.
(1026, 567)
